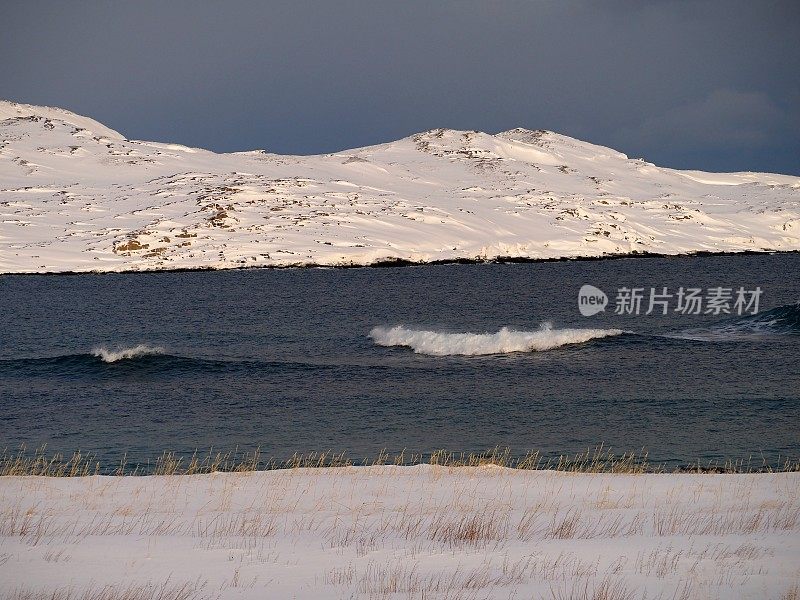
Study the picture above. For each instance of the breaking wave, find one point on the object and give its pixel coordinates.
(139, 351)
(440, 343)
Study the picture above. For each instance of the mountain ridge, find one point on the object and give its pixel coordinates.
(76, 195)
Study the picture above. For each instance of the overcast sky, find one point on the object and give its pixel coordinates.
(710, 85)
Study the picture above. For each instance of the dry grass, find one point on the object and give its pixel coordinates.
(589, 589)
(793, 593)
(597, 460)
(475, 530)
(411, 580)
(165, 591)
(39, 463)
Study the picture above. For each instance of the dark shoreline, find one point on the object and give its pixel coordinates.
(400, 262)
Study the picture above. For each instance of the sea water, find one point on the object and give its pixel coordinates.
(460, 357)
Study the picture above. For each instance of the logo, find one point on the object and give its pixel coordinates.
(591, 300)
(685, 300)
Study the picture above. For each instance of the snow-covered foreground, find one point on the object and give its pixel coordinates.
(402, 532)
(77, 196)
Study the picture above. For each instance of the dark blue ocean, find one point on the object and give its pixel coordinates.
(283, 359)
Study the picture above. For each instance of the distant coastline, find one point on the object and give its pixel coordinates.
(399, 262)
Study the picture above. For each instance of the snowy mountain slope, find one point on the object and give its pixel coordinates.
(77, 196)
(15, 110)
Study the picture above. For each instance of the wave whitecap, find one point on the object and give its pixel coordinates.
(111, 356)
(438, 343)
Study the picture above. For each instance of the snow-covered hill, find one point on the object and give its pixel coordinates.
(77, 196)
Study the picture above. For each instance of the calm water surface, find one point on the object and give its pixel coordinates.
(282, 359)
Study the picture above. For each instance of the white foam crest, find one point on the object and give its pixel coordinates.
(111, 356)
(439, 343)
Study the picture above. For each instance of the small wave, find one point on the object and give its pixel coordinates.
(439, 343)
(111, 356)
(779, 321)
(782, 319)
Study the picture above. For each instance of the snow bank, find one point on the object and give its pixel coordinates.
(402, 532)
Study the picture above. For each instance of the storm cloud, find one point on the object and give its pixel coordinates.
(711, 85)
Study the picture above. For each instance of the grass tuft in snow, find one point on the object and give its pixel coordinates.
(164, 591)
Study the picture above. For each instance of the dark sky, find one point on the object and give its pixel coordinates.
(711, 85)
